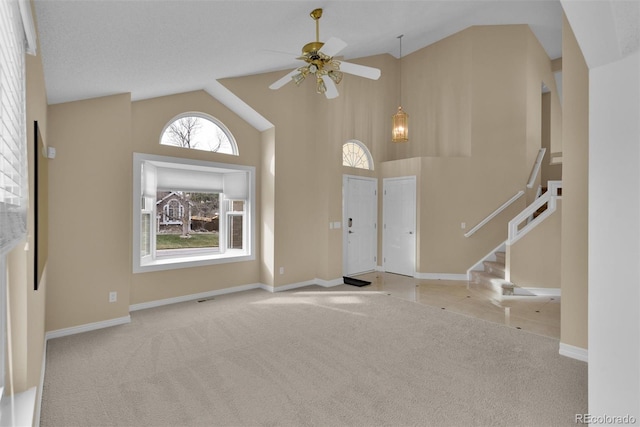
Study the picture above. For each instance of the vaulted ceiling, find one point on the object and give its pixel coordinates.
(152, 48)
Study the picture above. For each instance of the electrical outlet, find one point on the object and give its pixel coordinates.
(463, 225)
(113, 296)
(281, 270)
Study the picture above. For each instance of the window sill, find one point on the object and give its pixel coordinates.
(208, 258)
(17, 410)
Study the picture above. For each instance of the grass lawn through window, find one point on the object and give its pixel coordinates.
(197, 240)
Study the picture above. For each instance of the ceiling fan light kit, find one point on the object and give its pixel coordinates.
(327, 71)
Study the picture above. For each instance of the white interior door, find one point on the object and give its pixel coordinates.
(399, 225)
(360, 241)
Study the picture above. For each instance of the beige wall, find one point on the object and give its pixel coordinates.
(148, 119)
(549, 172)
(470, 98)
(90, 211)
(575, 148)
(309, 133)
(544, 113)
(493, 114)
(437, 88)
(534, 260)
(91, 199)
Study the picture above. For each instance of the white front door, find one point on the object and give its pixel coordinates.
(399, 225)
(359, 226)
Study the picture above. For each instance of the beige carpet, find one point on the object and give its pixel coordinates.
(310, 357)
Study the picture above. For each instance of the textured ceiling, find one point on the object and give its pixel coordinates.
(152, 48)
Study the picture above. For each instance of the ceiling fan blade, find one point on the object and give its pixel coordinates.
(360, 70)
(332, 90)
(333, 46)
(283, 81)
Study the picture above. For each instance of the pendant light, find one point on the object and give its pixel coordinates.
(400, 126)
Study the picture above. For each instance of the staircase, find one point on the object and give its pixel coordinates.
(493, 276)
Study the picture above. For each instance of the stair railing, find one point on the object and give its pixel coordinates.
(536, 168)
(548, 198)
(494, 213)
(532, 179)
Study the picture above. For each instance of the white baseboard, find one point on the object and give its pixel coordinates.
(87, 327)
(431, 276)
(191, 297)
(241, 288)
(440, 276)
(544, 292)
(318, 282)
(574, 352)
(40, 385)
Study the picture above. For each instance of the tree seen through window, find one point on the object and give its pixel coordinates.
(199, 132)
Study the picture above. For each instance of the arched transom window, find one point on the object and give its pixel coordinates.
(199, 131)
(356, 155)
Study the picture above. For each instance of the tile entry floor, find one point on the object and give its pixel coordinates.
(536, 314)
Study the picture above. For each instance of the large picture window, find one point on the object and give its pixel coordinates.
(191, 213)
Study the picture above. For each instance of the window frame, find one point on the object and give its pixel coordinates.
(365, 150)
(204, 116)
(17, 37)
(143, 264)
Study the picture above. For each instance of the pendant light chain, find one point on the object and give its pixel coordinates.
(400, 128)
(400, 68)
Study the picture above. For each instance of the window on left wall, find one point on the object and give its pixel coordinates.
(13, 150)
(190, 213)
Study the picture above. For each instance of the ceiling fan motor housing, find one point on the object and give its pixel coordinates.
(312, 48)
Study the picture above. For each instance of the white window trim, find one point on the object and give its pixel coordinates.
(3, 323)
(17, 14)
(218, 257)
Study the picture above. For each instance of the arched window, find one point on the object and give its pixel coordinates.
(199, 131)
(356, 155)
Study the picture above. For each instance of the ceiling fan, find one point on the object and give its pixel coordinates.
(321, 65)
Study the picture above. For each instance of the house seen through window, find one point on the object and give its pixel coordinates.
(191, 213)
(199, 131)
(186, 220)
